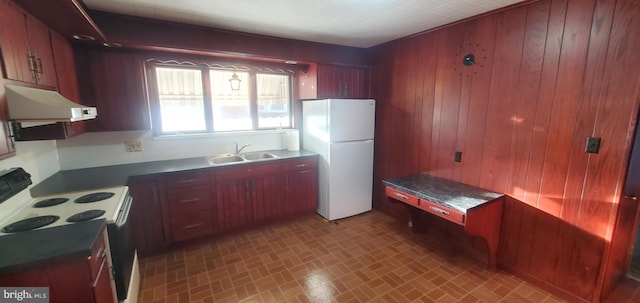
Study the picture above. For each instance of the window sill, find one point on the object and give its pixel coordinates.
(218, 135)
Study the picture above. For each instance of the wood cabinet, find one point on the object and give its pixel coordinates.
(248, 194)
(26, 47)
(113, 81)
(342, 82)
(175, 207)
(146, 215)
(301, 186)
(82, 279)
(189, 210)
(14, 42)
(40, 51)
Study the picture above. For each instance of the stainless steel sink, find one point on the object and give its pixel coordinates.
(258, 156)
(224, 159)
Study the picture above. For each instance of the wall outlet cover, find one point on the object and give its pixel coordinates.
(133, 146)
(458, 157)
(593, 145)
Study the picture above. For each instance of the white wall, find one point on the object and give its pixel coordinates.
(40, 159)
(107, 148)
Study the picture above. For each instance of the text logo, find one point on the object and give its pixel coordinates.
(24, 294)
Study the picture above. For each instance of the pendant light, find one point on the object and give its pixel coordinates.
(235, 82)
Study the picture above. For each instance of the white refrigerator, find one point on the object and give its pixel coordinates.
(341, 131)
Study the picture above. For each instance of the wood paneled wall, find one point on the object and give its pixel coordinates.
(547, 76)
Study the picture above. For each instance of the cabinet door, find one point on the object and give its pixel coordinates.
(116, 89)
(267, 194)
(301, 186)
(146, 216)
(14, 42)
(233, 199)
(67, 76)
(301, 192)
(356, 82)
(330, 81)
(342, 82)
(40, 45)
(103, 287)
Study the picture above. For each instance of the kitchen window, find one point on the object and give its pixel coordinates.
(195, 99)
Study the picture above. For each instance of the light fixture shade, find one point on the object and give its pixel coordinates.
(235, 82)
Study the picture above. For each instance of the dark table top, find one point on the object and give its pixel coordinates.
(39, 247)
(452, 194)
(118, 175)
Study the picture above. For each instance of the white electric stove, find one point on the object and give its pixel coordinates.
(67, 208)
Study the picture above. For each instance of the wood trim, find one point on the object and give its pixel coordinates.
(156, 35)
(67, 17)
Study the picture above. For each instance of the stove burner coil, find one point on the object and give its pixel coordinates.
(86, 215)
(29, 224)
(50, 202)
(94, 197)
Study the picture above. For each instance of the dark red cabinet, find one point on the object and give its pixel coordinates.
(342, 82)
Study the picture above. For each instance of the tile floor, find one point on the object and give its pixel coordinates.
(367, 258)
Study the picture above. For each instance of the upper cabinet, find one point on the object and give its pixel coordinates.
(342, 82)
(26, 47)
(113, 81)
(40, 53)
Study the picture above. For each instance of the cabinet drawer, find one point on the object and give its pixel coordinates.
(301, 164)
(442, 211)
(98, 256)
(186, 179)
(188, 200)
(251, 170)
(191, 225)
(401, 196)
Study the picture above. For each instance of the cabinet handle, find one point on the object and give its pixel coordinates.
(399, 195)
(38, 66)
(440, 210)
(95, 282)
(346, 89)
(189, 200)
(631, 197)
(192, 226)
(301, 165)
(101, 253)
(31, 60)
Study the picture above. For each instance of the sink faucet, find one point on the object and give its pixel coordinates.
(238, 150)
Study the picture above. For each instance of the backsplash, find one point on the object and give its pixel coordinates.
(38, 158)
(108, 148)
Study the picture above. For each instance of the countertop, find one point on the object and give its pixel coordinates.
(118, 175)
(459, 196)
(45, 246)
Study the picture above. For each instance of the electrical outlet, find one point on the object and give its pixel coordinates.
(593, 145)
(133, 145)
(458, 157)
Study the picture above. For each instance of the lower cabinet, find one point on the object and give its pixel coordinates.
(146, 215)
(83, 279)
(247, 195)
(301, 186)
(188, 207)
(175, 207)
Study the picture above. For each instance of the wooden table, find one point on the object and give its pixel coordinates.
(478, 210)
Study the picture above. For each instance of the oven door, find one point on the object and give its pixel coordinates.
(122, 248)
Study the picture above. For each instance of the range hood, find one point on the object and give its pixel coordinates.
(28, 104)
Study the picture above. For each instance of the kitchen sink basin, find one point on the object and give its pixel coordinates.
(258, 156)
(224, 159)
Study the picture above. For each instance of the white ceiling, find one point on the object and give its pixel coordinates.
(359, 23)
